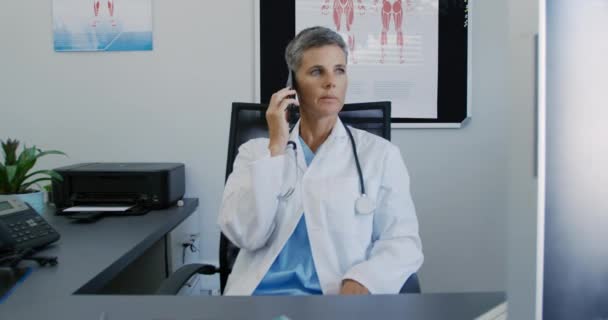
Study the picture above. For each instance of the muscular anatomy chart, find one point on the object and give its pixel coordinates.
(393, 49)
(344, 10)
(110, 6)
(102, 25)
(391, 11)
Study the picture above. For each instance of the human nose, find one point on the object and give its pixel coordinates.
(330, 80)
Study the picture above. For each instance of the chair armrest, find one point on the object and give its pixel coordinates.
(412, 285)
(176, 281)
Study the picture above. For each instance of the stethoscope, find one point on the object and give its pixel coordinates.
(363, 205)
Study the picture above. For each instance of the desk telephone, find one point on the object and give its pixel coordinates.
(22, 228)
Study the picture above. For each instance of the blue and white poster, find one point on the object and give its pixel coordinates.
(102, 25)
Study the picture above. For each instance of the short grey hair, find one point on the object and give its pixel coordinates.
(313, 37)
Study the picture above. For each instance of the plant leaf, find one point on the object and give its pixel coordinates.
(26, 185)
(12, 179)
(26, 159)
(44, 153)
(3, 179)
(22, 168)
(25, 162)
(51, 173)
(10, 173)
(10, 148)
(27, 154)
(15, 179)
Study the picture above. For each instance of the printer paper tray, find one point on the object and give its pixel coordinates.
(105, 208)
(88, 212)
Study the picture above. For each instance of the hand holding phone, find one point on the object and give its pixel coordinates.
(280, 110)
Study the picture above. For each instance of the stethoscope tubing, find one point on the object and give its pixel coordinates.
(355, 153)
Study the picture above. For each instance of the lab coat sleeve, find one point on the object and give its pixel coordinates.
(396, 251)
(249, 203)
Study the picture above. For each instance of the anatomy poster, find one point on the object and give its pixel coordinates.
(102, 25)
(393, 49)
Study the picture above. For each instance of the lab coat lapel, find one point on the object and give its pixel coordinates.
(337, 133)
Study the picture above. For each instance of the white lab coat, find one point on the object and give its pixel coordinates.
(380, 250)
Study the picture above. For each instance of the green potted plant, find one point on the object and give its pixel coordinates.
(16, 178)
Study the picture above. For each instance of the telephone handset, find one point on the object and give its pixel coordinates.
(23, 228)
(292, 109)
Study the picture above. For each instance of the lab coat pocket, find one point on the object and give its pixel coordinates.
(338, 203)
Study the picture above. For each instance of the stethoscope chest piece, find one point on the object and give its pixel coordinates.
(364, 205)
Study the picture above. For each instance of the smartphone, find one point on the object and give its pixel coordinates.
(292, 109)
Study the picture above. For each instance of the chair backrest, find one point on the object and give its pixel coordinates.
(249, 121)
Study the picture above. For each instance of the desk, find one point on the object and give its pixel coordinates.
(91, 257)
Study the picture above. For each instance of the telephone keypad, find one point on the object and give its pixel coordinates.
(29, 228)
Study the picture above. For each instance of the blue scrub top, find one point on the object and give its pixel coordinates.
(293, 272)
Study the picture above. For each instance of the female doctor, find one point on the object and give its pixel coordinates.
(325, 208)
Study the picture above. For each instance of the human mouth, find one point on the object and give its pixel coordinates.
(329, 98)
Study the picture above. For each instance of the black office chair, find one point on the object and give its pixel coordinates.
(249, 121)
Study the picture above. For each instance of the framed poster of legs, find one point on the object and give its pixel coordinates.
(414, 53)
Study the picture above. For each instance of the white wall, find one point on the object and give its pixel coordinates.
(459, 177)
(521, 252)
(172, 104)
